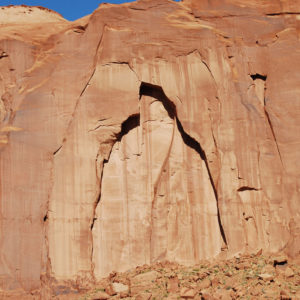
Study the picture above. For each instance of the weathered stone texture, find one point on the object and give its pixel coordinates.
(148, 131)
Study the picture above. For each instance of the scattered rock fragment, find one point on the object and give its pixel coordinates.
(215, 281)
(268, 269)
(100, 296)
(289, 273)
(255, 291)
(173, 285)
(172, 297)
(284, 295)
(143, 296)
(223, 294)
(257, 279)
(206, 283)
(143, 281)
(110, 290)
(229, 274)
(206, 295)
(187, 293)
(266, 277)
(120, 287)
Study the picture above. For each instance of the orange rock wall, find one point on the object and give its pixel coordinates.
(148, 131)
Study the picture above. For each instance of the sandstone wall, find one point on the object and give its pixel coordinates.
(155, 130)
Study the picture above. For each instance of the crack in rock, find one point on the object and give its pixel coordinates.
(258, 76)
(247, 188)
(56, 151)
(133, 121)
(130, 123)
(157, 92)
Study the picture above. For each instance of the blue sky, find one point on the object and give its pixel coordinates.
(69, 9)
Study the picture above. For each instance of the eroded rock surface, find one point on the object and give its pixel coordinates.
(148, 131)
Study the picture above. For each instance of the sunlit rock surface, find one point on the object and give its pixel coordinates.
(148, 131)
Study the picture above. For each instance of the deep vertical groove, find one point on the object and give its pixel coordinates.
(156, 185)
(134, 121)
(273, 133)
(130, 123)
(157, 92)
(264, 78)
(46, 219)
(191, 142)
(86, 85)
(95, 208)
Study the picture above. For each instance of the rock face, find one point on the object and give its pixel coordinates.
(148, 131)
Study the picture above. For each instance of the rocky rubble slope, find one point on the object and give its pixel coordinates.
(246, 277)
(146, 132)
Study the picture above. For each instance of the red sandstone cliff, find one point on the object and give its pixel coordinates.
(145, 132)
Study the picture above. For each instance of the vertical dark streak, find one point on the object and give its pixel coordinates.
(157, 92)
